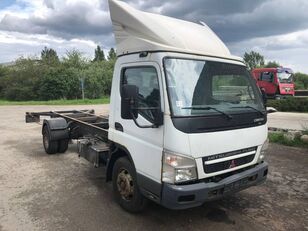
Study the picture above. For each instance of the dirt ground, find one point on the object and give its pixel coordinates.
(64, 192)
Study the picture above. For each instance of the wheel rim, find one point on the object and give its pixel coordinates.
(45, 140)
(125, 185)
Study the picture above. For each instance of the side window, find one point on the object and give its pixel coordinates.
(146, 79)
(267, 76)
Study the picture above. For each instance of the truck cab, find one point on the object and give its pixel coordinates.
(187, 111)
(209, 133)
(276, 82)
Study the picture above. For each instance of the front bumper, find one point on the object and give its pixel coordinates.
(193, 195)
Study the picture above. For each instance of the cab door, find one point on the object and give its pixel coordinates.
(267, 82)
(145, 145)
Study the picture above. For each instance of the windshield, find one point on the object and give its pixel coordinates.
(285, 77)
(198, 87)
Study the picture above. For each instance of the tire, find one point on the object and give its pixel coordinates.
(51, 147)
(125, 188)
(63, 145)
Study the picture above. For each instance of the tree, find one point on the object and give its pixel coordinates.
(3, 70)
(74, 58)
(34, 79)
(301, 81)
(272, 64)
(49, 56)
(22, 80)
(99, 55)
(3, 73)
(253, 60)
(60, 83)
(112, 54)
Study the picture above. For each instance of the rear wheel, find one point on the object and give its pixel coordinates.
(51, 147)
(63, 145)
(125, 188)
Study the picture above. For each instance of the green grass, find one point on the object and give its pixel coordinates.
(279, 138)
(57, 102)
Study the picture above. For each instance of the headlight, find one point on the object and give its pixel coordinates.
(263, 150)
(178, 169)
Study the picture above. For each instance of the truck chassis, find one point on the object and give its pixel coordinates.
(90, 131)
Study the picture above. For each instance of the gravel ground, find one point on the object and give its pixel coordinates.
(64, 192)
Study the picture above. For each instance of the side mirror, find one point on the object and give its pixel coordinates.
(129, 101)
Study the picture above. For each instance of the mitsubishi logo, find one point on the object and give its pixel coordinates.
(233, 164)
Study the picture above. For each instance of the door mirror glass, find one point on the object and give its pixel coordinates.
(129, 102)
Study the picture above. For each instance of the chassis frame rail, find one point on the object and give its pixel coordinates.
(84, 120)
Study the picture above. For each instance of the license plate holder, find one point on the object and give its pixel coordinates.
(234, 186)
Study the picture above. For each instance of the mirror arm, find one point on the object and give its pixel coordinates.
(142, 126)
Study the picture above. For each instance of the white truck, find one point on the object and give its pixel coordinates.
(187, 123)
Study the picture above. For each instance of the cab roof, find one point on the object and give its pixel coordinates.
(136, 31)
(274, 69)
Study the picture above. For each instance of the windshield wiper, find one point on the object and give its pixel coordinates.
(207, 109)
(253, 108)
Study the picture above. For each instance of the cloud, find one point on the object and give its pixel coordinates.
(15, 23)
(236, 20)
(62, 18)
(274, 17)
(67, 19)
(31, 45)
(290, 50)
(275, 28)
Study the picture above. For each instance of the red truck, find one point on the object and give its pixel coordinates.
(276, 82)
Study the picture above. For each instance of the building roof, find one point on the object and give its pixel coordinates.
(137, 31)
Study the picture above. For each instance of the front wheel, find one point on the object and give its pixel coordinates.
(125, 188)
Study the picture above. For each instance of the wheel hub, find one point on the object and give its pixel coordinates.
(125, 185)
(45, 140)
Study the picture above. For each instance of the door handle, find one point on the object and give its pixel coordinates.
(118, 127)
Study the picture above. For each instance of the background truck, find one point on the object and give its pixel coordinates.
(276, 82)
(186, 125)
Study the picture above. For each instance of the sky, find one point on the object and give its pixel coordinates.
(278, 29)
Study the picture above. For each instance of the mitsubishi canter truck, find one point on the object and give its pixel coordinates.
(187, 123)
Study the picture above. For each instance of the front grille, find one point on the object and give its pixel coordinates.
(228, 164)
